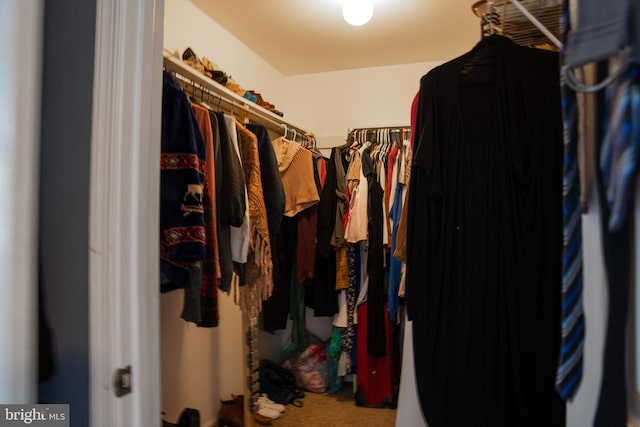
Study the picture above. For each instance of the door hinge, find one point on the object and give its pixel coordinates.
(122, 381)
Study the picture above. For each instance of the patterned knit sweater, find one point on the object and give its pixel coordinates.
(182, 168)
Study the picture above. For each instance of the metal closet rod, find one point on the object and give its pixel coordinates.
(227, 96)
(396, 128)
(212, 99)
(215, 102)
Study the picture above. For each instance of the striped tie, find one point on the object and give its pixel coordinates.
(569, 372)
(619, 152)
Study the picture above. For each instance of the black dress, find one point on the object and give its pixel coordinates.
(484, 239)
(376, 298)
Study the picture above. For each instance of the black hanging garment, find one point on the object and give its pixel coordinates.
(323, 297)
(275, 309)
(376, 298)
(485, 238)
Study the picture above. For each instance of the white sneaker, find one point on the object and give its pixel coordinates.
(268, 412)
(264, 401)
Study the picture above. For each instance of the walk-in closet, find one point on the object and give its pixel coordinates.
(506, 239)
(279, 217)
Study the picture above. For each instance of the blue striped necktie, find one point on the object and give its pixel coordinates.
(569, 372)
(619, 152)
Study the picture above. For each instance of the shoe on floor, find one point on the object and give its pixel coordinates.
(264, 401)
(268, 412)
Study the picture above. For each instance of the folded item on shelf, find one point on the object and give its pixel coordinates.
(191, 59)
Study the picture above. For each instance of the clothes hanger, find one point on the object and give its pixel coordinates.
(384, 137)
(309, 143)
(206, 101)
(490, 13)
(376, 141)
(313, 146)
(376, 144)
(348, 141)
(351, 140)
(208, 97)
(387, 142)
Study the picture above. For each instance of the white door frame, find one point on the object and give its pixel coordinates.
(21, 28)
(124, 211)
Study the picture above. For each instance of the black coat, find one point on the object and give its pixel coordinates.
(485, 239)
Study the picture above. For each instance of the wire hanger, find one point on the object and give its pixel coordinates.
(489, 17)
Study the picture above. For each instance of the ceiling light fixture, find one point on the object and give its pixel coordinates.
(357, 12)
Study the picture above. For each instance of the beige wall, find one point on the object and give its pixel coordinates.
(199, 366)
(332, 103)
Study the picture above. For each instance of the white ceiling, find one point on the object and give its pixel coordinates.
(309, 36)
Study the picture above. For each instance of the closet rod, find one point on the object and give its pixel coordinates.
(217, 90)
(215, 99)
(404, 127)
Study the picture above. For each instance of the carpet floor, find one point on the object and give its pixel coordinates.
(333, 410)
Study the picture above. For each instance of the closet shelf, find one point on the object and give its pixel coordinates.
(516, 20)
(219, 94)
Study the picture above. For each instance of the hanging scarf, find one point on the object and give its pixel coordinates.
(259, 262)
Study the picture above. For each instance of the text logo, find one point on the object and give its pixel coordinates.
(34, 415)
